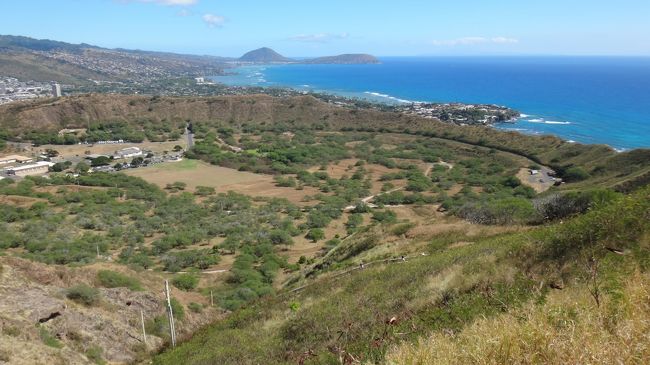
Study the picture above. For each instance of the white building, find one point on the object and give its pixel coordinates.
(38, 168)
(56, 90)
(199, 80)
(128, 153)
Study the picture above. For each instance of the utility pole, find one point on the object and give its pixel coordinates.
(144, 332)
(211, 299)
(170, 313)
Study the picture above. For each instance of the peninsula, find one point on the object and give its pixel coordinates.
(267, 55)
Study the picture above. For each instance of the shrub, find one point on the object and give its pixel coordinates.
(204, 190)
(48, 339)
(315, 234)
(112, 279)
(176, 186)
(94, 353)
(280, 237)
(195, 307)
(386, 216)
(402, 229)
(573, 174)
(177, 308)
(83, 294)
(185, 282)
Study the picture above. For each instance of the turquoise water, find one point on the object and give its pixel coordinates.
(584, 99)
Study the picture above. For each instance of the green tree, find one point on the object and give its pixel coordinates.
(185, 282)
(315, 234)
(82, 168)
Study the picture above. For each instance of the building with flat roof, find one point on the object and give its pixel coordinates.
(15, 159)
(56, 90)
(38, 168)
(128, 153)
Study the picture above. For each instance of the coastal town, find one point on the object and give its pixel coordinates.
(461, 114)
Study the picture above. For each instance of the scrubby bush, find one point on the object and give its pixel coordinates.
(83, 294)
(384, 216)
(195, 307)
(112, 279)
(177, 308)
(315, 234)
(501, 211)
(185, 282)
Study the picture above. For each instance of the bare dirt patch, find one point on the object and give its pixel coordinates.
(540, 181)
(194, 173)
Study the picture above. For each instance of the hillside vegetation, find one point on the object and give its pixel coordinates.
(486, 301)
(347, 235)
(601, 164)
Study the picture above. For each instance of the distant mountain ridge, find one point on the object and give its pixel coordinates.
(268, 55)
(47, 60)
(264, 55)
(345, 59)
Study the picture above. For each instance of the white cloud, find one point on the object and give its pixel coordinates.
(319, 37)
(470, 41)
(213, 21)
(165, 2)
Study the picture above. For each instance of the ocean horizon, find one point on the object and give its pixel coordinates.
(602, 100)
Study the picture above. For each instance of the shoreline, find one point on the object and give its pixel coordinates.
(574, 119)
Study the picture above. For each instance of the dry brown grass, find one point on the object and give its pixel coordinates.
(568, 329)
(194, 173)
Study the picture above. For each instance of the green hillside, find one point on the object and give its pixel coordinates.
(457, 281)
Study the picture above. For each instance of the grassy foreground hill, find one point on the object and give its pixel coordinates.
(565, 293)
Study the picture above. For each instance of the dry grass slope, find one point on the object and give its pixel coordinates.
(568, 329)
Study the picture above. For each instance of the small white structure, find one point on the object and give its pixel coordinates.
(199, 80)
(128, 153)
(38, 168)
(56, 90)
(534, 172)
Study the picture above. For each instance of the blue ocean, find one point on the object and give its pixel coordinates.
(603, 100)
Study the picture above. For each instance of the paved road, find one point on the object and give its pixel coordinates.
(190, 138)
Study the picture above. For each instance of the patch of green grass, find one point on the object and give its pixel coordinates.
(184, 165)
(49, 339)
(113, 279)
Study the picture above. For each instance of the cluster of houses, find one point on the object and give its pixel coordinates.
(12, 166)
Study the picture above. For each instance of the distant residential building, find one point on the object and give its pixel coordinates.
(15, 159)
(56, 90)
(38, 168)
(199, 80)
(128, 153)
(93, 156)
(72, 131)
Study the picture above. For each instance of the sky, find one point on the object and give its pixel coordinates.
(307, 28)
